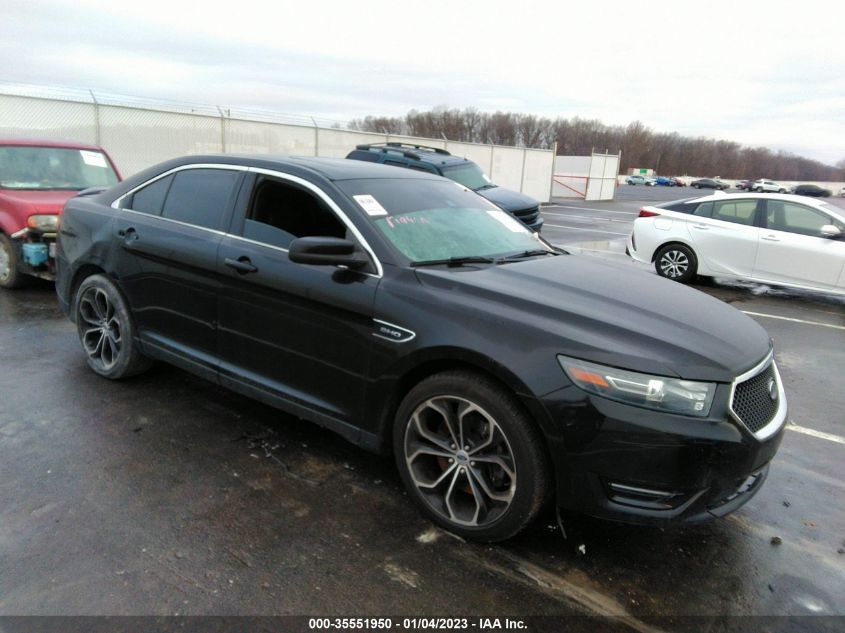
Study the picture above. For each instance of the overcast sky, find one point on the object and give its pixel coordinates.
(758, 73)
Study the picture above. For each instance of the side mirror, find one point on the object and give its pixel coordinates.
(828, 230)
(326, 251)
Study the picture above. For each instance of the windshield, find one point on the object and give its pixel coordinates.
(428, 220)
(469, 175)
(54, 168)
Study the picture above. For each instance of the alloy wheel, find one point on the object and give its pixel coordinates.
(460, 461)
(100, 328)
(674, 264)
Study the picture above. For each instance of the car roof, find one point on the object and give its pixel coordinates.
(46, 142)
(331, 168)
(759, 196)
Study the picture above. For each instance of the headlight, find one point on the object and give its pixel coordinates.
(671, 395)
(43, 223)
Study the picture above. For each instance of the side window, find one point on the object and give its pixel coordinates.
(149, 199)
(704, 210)
(362, 154)
(736, 211)
(280, 212)
(424, 168)
(796, 218)
(200, 196)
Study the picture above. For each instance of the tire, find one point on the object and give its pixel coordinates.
(11, 276)
(781, 190)
(106, 330)
(676, 262)
(503, 461)
(759, 190)
(696, 186)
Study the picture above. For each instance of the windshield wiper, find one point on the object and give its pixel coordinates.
(456, 261)
(524, 254)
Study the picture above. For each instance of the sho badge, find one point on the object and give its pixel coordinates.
(391, 332)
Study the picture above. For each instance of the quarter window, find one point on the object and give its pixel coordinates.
(149, 199)
(281, 212)
(736, 211)
(796, 218)
(200, 196)
(704, 210)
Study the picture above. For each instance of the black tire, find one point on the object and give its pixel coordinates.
(106, 330)
(781, 190)
(696, 186)
(11, 276)
(496, 428)
(759, 190)
(676, 262)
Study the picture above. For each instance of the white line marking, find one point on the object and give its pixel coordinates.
(563, 206)
(575, 228)
(830, 437)
(783, 318)
(587, 217)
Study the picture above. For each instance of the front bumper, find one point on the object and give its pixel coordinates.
(624, 463)
(36, 253)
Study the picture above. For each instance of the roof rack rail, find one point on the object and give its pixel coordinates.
(387, 147)
(438, 150)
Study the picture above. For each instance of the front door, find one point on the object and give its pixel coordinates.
(725, 235)
(792, 249)
(298, 334)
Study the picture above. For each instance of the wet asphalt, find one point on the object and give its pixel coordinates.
(166, 495)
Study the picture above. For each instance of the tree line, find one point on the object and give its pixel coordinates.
(667, 153)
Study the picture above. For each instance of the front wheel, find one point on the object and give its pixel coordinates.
(470, 457)
(106, 330)
(10, 275)
(676, 262)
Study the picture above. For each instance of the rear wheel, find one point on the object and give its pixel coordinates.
(106, 330)
(470, 456)
(10, 274)
(676, 262)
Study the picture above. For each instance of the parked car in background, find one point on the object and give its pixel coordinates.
(773, 239)
(416, 318)
(648, 181)
(37, 177)
(709, 183)
(436, 160)
(764, 185)
(742, 184)
(679, 182)
(664, 181)
(812, 190)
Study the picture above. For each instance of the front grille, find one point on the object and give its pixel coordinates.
(529, 216)
(752, 402)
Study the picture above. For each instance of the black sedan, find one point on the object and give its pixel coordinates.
(414, 317)
(812, 190)
(708, 183)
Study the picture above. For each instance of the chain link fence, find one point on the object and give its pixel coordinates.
(139, 133)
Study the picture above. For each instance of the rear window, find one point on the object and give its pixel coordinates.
(685, 205)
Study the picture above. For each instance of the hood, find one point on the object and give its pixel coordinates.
(614, 315)
(33, 201)
(507, 199)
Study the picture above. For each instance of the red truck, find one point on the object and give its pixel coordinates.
(37, 177)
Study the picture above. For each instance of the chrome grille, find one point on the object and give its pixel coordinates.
(752, 400)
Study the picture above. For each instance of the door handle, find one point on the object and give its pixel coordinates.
(771, 238)
(703, 227)
(241, 265)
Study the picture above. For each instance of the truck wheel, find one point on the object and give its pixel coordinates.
(106, 330)
(470, 457)
(10, 274)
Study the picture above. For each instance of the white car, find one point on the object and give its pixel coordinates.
(767, 185)
(773, 239)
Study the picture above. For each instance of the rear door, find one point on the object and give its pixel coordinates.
(291, 333)
(725, 235)
(792, 249)
(167, 235)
